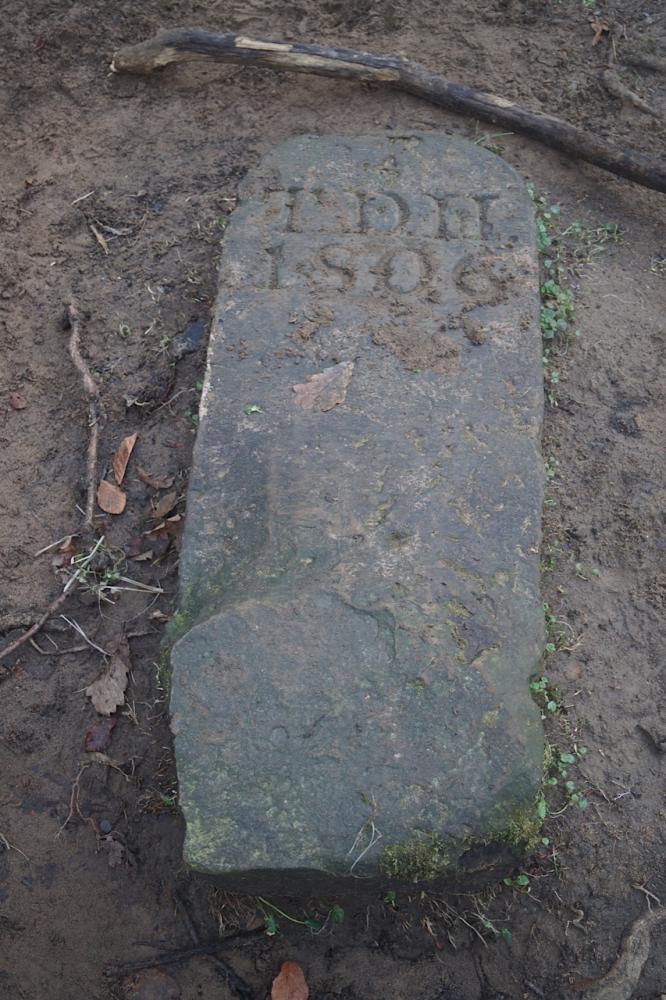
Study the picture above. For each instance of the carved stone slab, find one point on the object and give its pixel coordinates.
(359, 587)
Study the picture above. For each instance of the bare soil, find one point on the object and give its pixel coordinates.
(159, 161)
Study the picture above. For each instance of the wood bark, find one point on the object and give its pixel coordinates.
(399, 74)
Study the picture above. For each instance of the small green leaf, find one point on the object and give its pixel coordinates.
(551, 706)
(338, 914)
(271, 924)
(314, 925)
(545, 841)
(506, 933)
(251, 408)
(567, 758)
(522, 880)
(542, 808)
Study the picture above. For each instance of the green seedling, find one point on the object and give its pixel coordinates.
(517, 881)
(272, 926)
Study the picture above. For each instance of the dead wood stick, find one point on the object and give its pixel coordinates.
(400, 74)
(34, 629)
(614, 86)
(92, 392)
(643, 60)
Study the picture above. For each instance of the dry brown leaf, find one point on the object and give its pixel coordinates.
(98, 736)
(289, 984)
(121, 457)
(155, 482)
(170, 526)
(17, 401)
(599, 28)
(98, 236)
(165, 505)
(111, 498)
(326, 389)
(107, 693)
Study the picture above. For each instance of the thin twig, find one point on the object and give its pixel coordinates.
(94, 414)
(47, 548)
(69, 587)
(648, 895)
(94, 409)
(166, 958)
(74, 807)
(12, 847)
(51, 610)
(233, 980)
(77, 628)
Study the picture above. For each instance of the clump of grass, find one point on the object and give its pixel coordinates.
(563, 253)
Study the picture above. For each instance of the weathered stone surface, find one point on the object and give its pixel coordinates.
(360, 606)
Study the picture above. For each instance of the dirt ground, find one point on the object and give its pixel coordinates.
(154, 165)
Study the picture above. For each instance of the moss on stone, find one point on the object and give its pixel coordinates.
(423, 858)
(524, 827)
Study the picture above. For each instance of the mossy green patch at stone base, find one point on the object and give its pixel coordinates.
(360, 607)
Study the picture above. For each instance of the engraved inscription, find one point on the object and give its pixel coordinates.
(344, 267)
(429, 215)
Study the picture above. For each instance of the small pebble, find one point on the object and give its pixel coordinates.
(189, 340)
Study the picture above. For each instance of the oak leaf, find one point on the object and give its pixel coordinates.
(290, 984)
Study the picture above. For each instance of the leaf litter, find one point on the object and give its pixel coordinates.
(107, 693)
(122, 456)
(165, 505)
(154, 482)
(98, 736)
(111, 498)
(290, 984)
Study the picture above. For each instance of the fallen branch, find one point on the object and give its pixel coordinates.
(643, 60)
(616, 88)
(400, 74)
